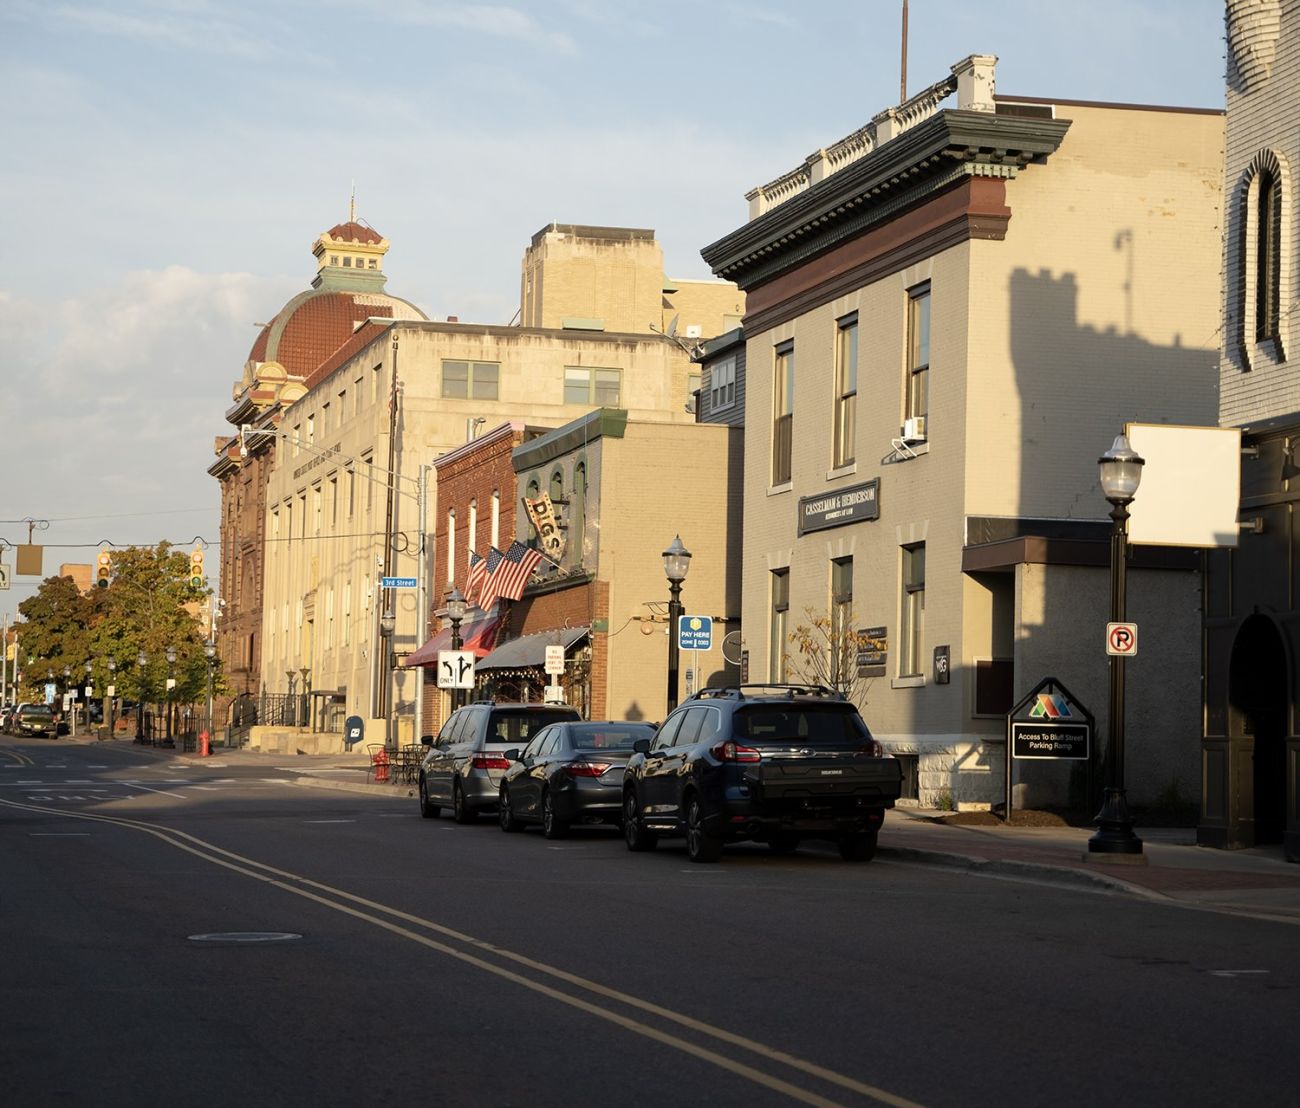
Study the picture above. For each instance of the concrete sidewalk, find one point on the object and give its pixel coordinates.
(1257, 882)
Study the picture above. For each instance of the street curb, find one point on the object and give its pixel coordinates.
(1061, 875)
(390, 791)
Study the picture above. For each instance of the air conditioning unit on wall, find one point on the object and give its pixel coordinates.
(914, 429)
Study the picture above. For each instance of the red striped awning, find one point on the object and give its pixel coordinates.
(478, 636)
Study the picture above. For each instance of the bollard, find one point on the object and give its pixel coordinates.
(204, 751)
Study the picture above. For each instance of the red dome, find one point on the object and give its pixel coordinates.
(355, 232)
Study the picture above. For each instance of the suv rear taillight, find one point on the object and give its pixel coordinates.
(586, 769)
(490, 761)
(872, 748)
(732, 751)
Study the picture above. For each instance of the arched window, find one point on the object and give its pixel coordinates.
(451, 546)
(472, 542)
(496, 518)
(578, 513)
(1268, 273)
(533, 489)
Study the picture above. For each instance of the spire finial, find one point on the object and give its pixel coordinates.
(352, 205)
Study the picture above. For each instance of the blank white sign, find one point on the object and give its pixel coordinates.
(1191, 485)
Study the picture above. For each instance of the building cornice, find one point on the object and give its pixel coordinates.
(596, 424)
(951, 146)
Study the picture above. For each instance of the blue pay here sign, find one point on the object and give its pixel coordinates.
(695, 632)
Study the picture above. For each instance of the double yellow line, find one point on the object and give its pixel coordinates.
(18, 756)
(508, 965)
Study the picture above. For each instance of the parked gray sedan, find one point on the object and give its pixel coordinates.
(570, 773)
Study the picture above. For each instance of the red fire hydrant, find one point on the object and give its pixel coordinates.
(381, 765)
(204, 750)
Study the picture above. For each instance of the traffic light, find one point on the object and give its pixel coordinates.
(103, 569)
(196, 568)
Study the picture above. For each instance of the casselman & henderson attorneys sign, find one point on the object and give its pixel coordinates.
(835, 509)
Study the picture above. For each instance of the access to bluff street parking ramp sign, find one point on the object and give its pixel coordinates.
(1047, 723)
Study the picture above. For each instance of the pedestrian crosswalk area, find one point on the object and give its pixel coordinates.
(49, 790)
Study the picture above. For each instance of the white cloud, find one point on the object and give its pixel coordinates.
(118, 397)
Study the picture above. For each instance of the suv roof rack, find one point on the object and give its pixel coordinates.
(787, 689)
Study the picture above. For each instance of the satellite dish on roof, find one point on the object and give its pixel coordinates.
(672, 328)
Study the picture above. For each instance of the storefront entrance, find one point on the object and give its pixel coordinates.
(1257, 705)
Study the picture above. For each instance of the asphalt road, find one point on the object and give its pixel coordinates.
(187, 932)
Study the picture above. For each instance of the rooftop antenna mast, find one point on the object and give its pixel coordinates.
(902, 80)
(352, 205)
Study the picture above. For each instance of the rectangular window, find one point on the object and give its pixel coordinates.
(297, 438)
(722, 384)
(356, 395)
(470, 380)
(342, 406)
(596, 388)
(347, 612)
(842, 658)
(316, 509)
(334, 503)
(783, 414)
(912, 621)
(374, 383)
(780, 608)
(368, 476)
(352, 493)
(846, 390)
(918, 352)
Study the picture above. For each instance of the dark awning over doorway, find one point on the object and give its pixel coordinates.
(529, 651)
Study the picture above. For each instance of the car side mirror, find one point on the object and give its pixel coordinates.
(514, 755)
(426, 740)
(641, 746)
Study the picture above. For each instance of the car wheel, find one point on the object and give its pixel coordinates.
(700, 845)
(505, 815)
(858, 847)
(636, 836)
(428, 809)
(552, 826)
(783, 843)
(460, 810)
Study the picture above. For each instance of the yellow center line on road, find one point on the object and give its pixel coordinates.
(303, 886)
(18, 756)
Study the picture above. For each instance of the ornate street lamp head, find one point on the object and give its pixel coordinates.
(1121, 471)
(457, 606)
(677, 560)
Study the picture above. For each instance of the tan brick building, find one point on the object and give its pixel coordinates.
(623, 488)
(950, 315)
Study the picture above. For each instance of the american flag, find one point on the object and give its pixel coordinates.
(511, 574)
(487, 570)
(477, 575)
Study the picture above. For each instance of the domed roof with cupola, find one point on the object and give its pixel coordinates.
(347, 290)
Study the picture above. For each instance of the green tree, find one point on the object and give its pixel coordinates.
(825, 652)
(149, 606)
(55, 634)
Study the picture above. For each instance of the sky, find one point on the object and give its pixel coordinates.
(166, 166)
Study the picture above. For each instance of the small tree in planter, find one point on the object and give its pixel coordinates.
(824, 651)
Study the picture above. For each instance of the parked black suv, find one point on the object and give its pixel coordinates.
(772, 763)
(464, 765)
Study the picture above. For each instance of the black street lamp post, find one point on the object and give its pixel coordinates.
(387, 625)
(677, 560)
(141, 660)
(456, 609)
(1121, 472)
(171, 684)
(110, 696)
(67, 685)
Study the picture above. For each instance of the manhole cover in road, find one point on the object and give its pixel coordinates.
(244, 937)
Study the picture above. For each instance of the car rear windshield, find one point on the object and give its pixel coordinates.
(810, 725)
(599, 736)
(516, 728)
(37, 713)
